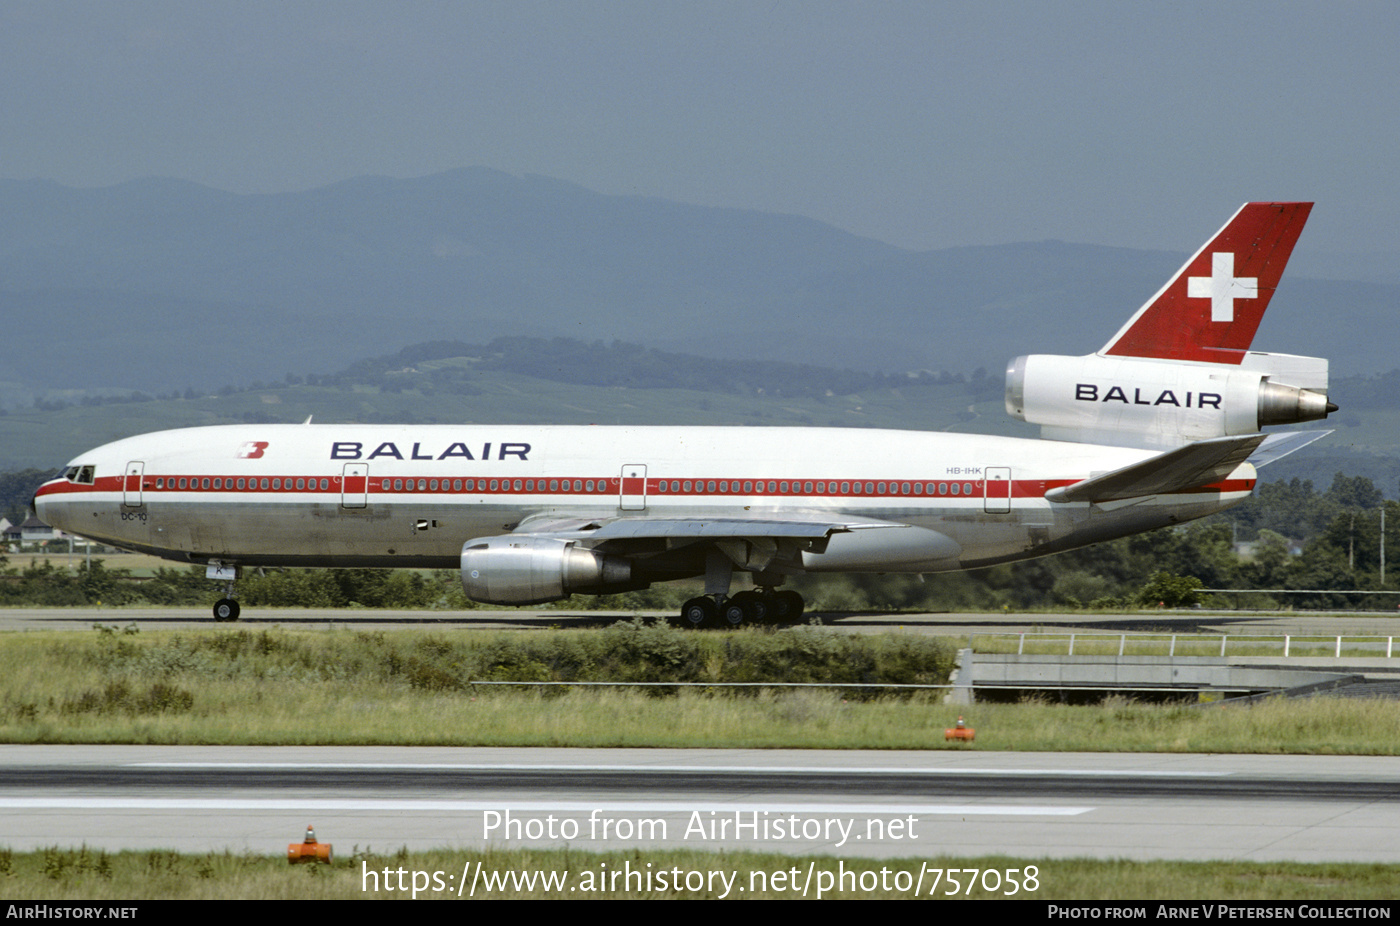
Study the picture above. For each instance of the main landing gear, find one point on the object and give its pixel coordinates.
(226, 608)
(718, 607)
(765, 606)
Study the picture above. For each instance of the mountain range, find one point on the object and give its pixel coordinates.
(160, 284)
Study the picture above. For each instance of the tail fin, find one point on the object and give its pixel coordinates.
(1211, 308)
(1181, 369)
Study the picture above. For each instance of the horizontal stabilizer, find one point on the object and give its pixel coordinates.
(1198, 464)
(1279, 445)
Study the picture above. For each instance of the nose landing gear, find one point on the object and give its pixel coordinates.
(226, 608)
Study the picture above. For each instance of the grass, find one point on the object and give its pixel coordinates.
(138, 564)
(791, 720)
(335, 687)
(1311, 726)
(93, 875)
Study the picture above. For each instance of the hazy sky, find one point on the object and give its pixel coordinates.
(925, 124)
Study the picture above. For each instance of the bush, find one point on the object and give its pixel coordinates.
(1169, 591)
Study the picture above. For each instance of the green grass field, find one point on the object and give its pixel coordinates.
(91, 875)
(324, 687)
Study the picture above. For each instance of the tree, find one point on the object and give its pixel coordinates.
(1354, 492)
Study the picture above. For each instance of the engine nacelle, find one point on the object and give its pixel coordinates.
(1160, 403)
(531, 570)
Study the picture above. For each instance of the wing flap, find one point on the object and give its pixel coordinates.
(1198, 464)
(648, 527)
(632, 528)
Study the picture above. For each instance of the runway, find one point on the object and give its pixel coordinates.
(866, 804)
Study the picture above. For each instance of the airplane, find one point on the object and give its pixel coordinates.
(1160, 426)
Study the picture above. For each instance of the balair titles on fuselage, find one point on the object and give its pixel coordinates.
(458, 450)
(1089, 392)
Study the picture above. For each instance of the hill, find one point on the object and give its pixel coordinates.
(161, 285)
(526, 380)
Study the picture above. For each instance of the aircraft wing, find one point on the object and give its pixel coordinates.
(644, 526)
(1198, 464)
(821, 541)
(631, 528)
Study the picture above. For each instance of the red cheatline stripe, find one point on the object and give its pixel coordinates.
(941, 489)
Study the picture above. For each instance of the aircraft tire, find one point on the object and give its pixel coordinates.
(736, 611)
(750, 606)
(699, 612)
(226, 609)
(786, 607)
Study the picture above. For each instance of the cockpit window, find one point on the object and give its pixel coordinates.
(83, 475)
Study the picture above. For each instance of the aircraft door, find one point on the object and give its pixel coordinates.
(131, 484)
(633, 495)
(996, 496)
(354, 485)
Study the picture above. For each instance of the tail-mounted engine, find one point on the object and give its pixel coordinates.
(1140, 402)
(531, 570)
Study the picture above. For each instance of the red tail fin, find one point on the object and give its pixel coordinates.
(1212, 307)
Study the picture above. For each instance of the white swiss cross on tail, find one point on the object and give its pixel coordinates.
(1237, 270)
(1222, 287)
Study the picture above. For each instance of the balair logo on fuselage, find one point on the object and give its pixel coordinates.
(458, 450)
(1091, 392)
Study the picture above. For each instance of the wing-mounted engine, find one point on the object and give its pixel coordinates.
(523, 569)
(1141, 402)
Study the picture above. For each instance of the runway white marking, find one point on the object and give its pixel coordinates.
(277, 804)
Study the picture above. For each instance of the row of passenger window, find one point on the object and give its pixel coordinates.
(274, 483)
(779, 487)
(664, 486)
(493, 485)
(682, 486)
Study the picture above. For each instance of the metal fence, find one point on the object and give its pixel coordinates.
(1194, 644)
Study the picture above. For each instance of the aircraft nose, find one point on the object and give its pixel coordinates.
(34, 502)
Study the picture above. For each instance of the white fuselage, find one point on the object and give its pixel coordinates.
(403, 495)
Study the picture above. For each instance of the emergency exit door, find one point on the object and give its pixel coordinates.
(996, 495)
(633, 495)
